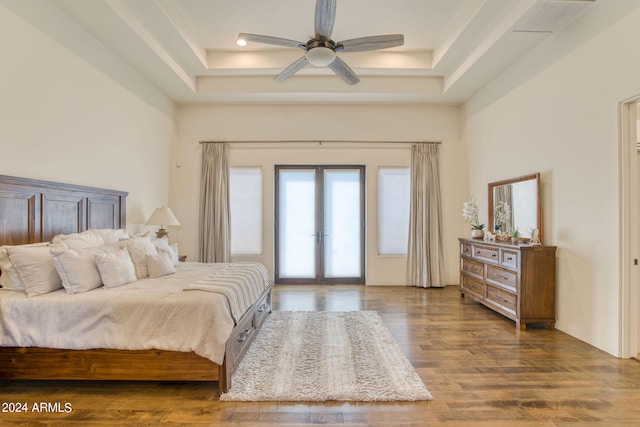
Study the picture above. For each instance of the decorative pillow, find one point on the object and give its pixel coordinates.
(9, 279)
(160, 265)
(111, 236)
(116, 268)
(85, 239)
(139, 248)
(77, 269)
(35, 268)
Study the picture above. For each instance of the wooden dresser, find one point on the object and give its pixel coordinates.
(515, 280)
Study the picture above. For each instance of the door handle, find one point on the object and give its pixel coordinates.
(319, 236)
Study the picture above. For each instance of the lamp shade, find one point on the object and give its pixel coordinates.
(162, 216)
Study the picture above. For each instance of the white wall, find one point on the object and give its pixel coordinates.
(63, 120)
(556, 112)
(321, 122)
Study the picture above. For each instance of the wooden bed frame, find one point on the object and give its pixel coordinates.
(34, 211)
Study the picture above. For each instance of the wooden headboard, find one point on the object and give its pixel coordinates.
(34, 211)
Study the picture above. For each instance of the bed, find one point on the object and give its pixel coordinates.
(33, 211)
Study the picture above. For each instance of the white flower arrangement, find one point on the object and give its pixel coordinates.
(502, 213)
(470, 212)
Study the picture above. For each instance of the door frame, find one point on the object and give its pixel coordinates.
(319, 252)
(628, 231)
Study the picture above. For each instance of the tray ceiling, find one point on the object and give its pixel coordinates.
(187, 48)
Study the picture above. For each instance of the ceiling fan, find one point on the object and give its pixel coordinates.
(321, 50)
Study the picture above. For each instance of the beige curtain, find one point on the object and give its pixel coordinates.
(215, 228)
(425, 263)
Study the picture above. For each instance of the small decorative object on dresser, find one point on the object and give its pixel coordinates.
(470, 214)
(515, 280)
(477, 231)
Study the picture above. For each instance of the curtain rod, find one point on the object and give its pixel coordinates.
(320, 142)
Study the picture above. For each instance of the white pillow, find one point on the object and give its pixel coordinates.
(172, 251)
(77, 269)
(9, 279)
(139, 248)
(111, 236)
(160, 265)
(8, 275)
(36, 269)
(85, 239)
(116, 268)
(160, 243)
(174, 254)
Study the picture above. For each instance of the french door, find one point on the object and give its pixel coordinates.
(319, 226)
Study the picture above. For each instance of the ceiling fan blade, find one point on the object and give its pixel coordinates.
(370, 43)
(272, 40)
(325, 17)
(292, 69)
(344, 71)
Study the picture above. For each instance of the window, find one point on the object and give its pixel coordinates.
(393, 210)
(245, 194)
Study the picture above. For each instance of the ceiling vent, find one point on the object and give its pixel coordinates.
(548, 16)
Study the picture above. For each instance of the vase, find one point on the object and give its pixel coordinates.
(477, 234)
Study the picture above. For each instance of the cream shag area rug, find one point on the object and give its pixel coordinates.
(320, 356)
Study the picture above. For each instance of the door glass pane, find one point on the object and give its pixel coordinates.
(342, 223)
(297, 223)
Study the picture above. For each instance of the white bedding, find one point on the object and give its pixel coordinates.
(146, 314)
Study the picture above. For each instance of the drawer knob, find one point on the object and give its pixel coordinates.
(509, 258)
(499, 298)
(262, 308)
(502, 277)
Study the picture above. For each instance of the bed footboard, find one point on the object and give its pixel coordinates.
(35, 363)
(242, 337)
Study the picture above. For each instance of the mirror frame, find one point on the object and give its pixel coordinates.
(492, 185)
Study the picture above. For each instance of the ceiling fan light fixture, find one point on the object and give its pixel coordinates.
(241, 42)
(320, 56)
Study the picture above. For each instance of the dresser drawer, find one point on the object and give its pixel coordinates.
(473, 285)
(473, 267)
(465, 249)
(486, 253)
(509, 258)
(239, 340)
(502, 298)
(502, 276)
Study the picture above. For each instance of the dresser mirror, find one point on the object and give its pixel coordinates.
(515, 204)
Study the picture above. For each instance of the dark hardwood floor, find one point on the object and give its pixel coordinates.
(481, 370)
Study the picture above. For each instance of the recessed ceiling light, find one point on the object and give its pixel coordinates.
(241, 42)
